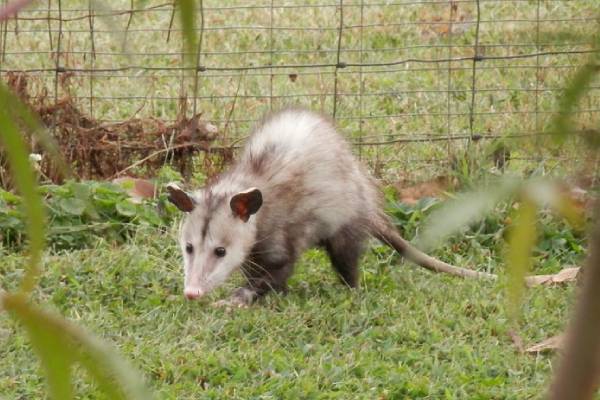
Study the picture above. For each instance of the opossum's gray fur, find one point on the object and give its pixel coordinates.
(298, 186)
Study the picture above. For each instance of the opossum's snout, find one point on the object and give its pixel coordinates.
(195, 286)
(193, 293)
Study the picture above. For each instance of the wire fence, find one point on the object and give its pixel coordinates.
(412, 84)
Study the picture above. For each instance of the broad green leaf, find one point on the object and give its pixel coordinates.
(48, 189)
(521, 241)
(60, 344)
(109, 189)
(9, 198)
(426, 203)
(187, 16)
(126, 208)
(80, 190)
(463, 210)
(150, 215)
(73, 206)
(24, 178)
(127, 184)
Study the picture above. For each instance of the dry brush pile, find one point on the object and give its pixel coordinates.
(94, 149)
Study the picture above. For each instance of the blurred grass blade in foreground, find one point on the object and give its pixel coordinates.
(548, 193)
(15, 150)
(521, 241)
(187, 16)
(60, 345)
(463, 210)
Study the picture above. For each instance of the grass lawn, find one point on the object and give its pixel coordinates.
(405, 333)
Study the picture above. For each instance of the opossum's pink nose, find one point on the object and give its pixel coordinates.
(192, 293)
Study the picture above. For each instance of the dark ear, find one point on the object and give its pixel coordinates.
(244, 204)
(181, 199)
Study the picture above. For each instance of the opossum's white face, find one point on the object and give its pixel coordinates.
(216, 236)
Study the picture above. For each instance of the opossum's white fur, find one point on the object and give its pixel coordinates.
(311, 187)
(314, 164)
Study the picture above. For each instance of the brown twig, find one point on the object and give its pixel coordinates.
(232, 108)
(171, 21)
(168, 149)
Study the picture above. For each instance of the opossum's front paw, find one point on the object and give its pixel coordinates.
(229, 304)
(241, 298)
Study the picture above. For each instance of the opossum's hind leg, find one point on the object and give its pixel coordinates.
(344, 249)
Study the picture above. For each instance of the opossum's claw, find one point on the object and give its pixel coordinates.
(240, 298)
(229, 304)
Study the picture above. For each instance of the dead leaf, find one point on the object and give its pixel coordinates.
(138, 189)
(565, 275)
(432, 188)
(553, 343)
(196, 130)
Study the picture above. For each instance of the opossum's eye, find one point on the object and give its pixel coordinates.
(220, 252)
(189, 248)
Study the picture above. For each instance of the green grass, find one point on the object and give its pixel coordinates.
(405, 333)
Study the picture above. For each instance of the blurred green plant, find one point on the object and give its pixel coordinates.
(578, 377)
(487, 224)
(529, 197)
(81, 212)
(187, 17)
(11, 111)
(58, 343)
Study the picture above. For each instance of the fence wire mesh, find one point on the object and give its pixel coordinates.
(411, 83)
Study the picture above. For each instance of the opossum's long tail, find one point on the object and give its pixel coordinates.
(386, 233)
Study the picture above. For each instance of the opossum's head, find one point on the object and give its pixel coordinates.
(216, 235)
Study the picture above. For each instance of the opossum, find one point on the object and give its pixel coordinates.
(296, 185)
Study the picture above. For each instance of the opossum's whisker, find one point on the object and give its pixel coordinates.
(260, 267)
(262, 239)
